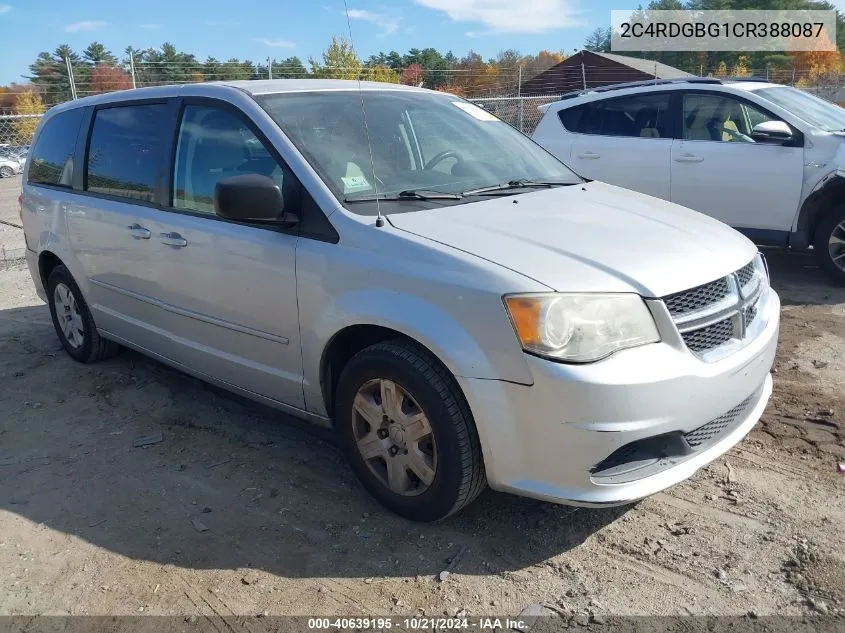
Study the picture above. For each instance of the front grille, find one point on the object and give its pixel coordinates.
(698, 298)
(709, 337)
(712, 430)
(727, 300)
(745, 274)
(750, 314)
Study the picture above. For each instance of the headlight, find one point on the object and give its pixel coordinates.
(580, 328)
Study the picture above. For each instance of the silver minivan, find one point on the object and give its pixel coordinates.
(401, 265)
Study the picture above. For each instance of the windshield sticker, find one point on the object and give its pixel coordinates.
(474, 111)
(355, 184)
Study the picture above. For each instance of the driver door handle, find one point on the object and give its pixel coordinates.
(689, 158)
(138, 232)
(173, 239)
(589, 155)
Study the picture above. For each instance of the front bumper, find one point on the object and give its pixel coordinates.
(546, 440)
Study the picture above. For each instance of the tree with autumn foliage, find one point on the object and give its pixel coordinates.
(27, 102)
(340, 61)
(817, 65)
(382, 74)
(413, 75)
(108, 79)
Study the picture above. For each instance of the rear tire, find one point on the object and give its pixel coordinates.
(423, 453)
(829, 244)
(73, 321)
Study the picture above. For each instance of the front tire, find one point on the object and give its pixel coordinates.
(407, 431)
(73, 321)
(829, 244)
(6, 172)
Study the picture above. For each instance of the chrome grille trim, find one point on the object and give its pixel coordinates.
(717, 314)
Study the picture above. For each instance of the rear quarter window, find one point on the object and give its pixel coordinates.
(639, 115)
(126, 151)
(51, 159)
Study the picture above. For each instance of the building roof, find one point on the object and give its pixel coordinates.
(661, 71)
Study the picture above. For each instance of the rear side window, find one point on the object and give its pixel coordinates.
(642, 116)
(127, 151)
(51, 160)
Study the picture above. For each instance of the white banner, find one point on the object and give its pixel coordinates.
(641, 30)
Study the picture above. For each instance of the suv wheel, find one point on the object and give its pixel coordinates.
(6, 172)
(829, 244)
(73, 321)
(407, 431)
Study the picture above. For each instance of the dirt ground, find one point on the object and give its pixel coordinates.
(240, 510)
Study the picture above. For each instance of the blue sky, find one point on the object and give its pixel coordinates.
(257, 29)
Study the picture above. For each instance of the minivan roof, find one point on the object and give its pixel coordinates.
(274, 86)
(219, 88)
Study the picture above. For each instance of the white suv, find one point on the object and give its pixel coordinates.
(767, 159)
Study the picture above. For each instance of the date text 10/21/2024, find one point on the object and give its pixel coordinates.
(415, 623)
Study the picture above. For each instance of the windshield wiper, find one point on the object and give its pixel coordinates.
(515, 184)
(410, 194)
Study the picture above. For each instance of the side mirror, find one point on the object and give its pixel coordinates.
(772, 132)
(251, 198)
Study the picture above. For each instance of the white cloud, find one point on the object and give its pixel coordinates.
(508, 16)
(389, 24)
(85, 25)
(277, 43)
(5, 8)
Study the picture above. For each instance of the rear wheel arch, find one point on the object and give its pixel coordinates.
(47, 262)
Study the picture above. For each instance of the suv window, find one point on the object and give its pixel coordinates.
(712, 117)
(644, 116)
(126, 151)
(51, 160)
(213, 145)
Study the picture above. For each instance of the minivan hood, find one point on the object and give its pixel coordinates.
(593, 237)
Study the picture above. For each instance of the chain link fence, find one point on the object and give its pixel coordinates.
(522, 112)
(15, 136)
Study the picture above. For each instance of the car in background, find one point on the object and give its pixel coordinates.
(459, 305)
(10, 166)
(767, 159)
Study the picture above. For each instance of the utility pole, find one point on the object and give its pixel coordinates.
(70, 79)
(132, 67)
(269, 68)
(520, 104)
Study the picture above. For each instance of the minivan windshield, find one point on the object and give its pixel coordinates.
(423, 146)
(809, 108)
